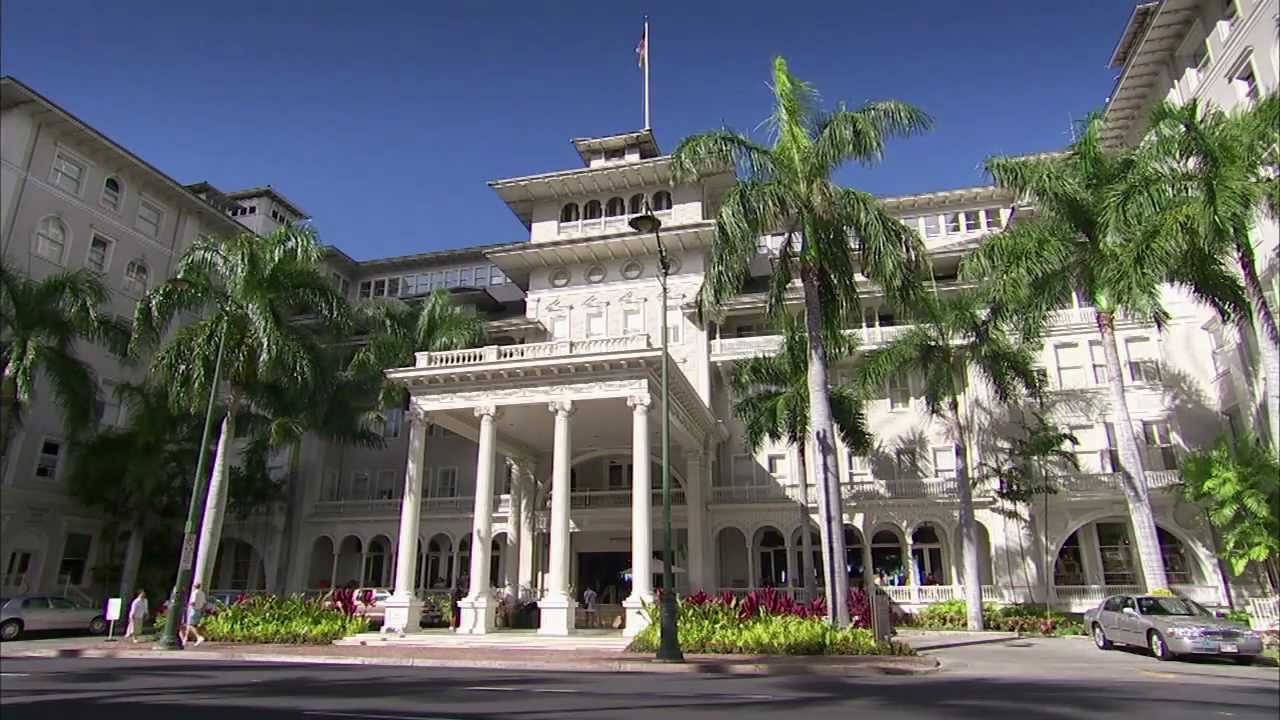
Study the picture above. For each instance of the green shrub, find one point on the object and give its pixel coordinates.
(719, 628)
(1240, 616)
(292, 620)
(1025, 619)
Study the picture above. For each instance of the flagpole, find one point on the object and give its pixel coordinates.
(645, 57)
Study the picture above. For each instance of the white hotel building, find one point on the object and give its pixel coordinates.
(529, 465)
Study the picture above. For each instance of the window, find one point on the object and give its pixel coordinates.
(253, 209)
(1111, 455)
(47, 461)
(898, 391)
(386, 489)
(107, 407)
(559, 278)
(111, 194)
(496, 277)
(329, 486)
(365, 288)
(596, 324)
(359, 486)
(636, 204)
(675, 326)
(451, 278)
(954, 223)
(51, 239)
(1070, 365)
(1160, 452)
(15, 573)
(1099, 361)
(99, 254)
(1143, 367)
(859, 469)
(615, 154)
(932, 228)
(595, 274)
(394, 421)
(446, 484)
(632, 318)
(465, 278)
(906, 465)
(68, 173)
(744, 470)
(615, 208)
(632, 270)
(591, 211)
(393, 287)
(995, 220)
(972, 220)
(661, 201)
(569, 213)
(1246, 81)
(149, 218)
(560, 327)
(944, 462)
(1117, 556)
(75, 555)
(379, 288)
(776, 464)
(480, 275)
(135, 277)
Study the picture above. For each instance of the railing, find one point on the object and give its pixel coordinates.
(532, 351)
(1203, 594)
(929, 594)
(612, 223)
(617, 498)
(1264, 613)
(449, 505)
(1110, 482)
(1078, 598)
(739, 347)
(358, 507)
(745, 494)
(935, 487)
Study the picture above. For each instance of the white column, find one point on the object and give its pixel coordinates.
(403, 609)
(515, 530)
(637, 618)
(477, 608)
(557, 606)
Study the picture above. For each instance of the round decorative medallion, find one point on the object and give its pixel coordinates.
(560, 278)
(595, 274)
(632, 270)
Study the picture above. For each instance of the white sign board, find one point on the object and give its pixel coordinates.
(188, 551)
(113, 609)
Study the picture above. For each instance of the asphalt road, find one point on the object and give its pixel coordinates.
(1025, 679)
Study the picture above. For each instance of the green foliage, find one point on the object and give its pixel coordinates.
(1026, 461)
(1025, 619)
(292, 620)
(1240, 616)
(718, 629)
(1239, 482)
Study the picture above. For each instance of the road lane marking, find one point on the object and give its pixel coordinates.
(374, 716)
(1154, 673)
(7, 674)
(518, 689)
(708, 696)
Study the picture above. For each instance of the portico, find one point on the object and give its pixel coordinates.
(544, 407)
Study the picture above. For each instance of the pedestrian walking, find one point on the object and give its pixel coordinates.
(139, 609)
(590, 597)
(195, 612)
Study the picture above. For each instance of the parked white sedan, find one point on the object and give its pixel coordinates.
(29, 613)
(1169, 627)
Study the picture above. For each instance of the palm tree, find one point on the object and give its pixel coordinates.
(40, 323)
(1105, 226)
(831, 234)
(138, 474)
(773, 404)
(264, 294)
(1229, 162)
(954, 338)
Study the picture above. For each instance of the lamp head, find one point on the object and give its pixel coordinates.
(645, 223)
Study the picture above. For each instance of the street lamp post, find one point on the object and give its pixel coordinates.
(669, 637)
(178, 602)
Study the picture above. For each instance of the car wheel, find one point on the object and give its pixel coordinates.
(97, 626)
(11, 630)
(1100, 637)
(1159, 648)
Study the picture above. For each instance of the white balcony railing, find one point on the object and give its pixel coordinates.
(743, 347)
(1264, 613)
(587, 499)
(532, 351)
(1078, 598)
(612, 224)
(1110, 482)
(929, 594)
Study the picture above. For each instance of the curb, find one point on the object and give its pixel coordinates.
(870, 665)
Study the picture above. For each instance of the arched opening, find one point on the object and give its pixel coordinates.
(661, 201)
(771, 557)
(1102, 553)
(496, 552)
(615, 207)
(636, 204)
(439, 570)
(853, 555)
(569, 213)
(350, 556)
(463, 576)
(238, 567)
(928, 556)
(51, 239)
(887, 561)
(602, 479)
(377, 562)
(814, 566)
(591, 211)
(731, 552)
(111, 194)
(320, 568)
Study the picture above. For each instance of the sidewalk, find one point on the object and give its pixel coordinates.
(530, 659)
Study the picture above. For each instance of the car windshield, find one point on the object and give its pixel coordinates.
(1167, 606)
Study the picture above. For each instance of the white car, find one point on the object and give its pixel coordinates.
(29, 613)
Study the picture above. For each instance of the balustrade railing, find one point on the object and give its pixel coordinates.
(585, 499)
(532, 351)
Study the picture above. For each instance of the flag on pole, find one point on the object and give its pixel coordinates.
(642, 48)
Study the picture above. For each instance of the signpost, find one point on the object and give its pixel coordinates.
(113, 614)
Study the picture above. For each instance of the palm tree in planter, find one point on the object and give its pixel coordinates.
(951, 339)
(831, 235)
(262, 295)
(772, 403)
(40, 323)
(1229, 162)
(1108, 225)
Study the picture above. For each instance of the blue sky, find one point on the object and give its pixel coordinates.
(385, 119)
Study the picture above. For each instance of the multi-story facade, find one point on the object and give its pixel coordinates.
(531, 464)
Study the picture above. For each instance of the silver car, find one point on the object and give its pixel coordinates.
(28, 613)
(1169, 627)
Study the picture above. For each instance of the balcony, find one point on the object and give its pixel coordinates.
(465, 504)
(611, 499)
(739, 348)
(772, 493)
(496, 354)
(601, 225)
(1110, 482)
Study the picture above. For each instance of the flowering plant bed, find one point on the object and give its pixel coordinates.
(763, 622)
(1026, 619)
(289, 620)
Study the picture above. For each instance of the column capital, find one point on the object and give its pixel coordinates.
(561, 407)
(418, 416)
(488, 410)
(640, 402)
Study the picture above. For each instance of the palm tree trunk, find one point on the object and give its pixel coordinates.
(806, 542)
(826, 476)
(968, 524)
(1132, 471)
(1268, 344)
(215, 504)
(290, 512)
(132, 560)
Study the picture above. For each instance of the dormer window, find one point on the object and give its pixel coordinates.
(636, 204)
(661, 201)
(615, 207)
(569, 213)
(591, 211)
(615, 154)
(111, 194)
